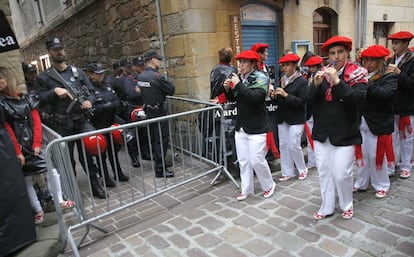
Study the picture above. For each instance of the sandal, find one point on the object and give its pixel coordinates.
(404, 174)
(319, 216)
(284, 178)
(347, 215)
(381, 194)
(38, 218)
(67, 204)
(303, 175)
(241, 197)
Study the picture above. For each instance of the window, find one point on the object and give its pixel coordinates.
(324, 27)
(44, 62)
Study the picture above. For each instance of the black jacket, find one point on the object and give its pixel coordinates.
(154, 87)
(106, 105)
(404, 104)
(339, 119)
(47, 85)
(377, 109)
(250, 95)
(292, 109)
(217, 76)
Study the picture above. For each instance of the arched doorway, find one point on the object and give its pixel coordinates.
(325, 23)
(259, 24)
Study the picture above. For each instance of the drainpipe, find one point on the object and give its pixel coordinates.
(358, 25)
(364, 28)
(162, 48)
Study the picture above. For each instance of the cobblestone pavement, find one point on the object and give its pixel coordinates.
(201, 220)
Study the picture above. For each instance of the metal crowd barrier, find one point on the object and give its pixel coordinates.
(196, 149)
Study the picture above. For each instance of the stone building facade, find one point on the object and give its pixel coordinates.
(194, 30)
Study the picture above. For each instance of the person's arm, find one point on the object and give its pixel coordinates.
(16, 144)
(37, 130)
(166, 86)
(385, 90)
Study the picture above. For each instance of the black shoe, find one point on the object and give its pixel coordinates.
(136, 164)
(160, 173)
(98, 191)
(122, 177)
(109, 182)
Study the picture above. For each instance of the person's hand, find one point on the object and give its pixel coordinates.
(393, 68)
(271, 90)
(21, 159)
(137, 89)
(280, 91)
(63, 93)
(86, 105)
(37, 150)
(318, 78)
(333, 75)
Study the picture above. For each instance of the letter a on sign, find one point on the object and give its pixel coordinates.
(8, 40)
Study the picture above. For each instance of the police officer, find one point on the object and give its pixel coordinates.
(130, 95)
(105, 108)
(30, 76)
(68, 121)
(155, 88)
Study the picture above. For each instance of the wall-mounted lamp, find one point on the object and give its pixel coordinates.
(385, 16)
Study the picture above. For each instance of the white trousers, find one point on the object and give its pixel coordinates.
(379, 178)
(311, 153)
(291, 153)
(403, 148)
(31, 193)
(251, 152)
(53, 184)
(334, 164)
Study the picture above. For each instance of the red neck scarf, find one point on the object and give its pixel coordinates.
(353, 74)
(384, 149)
(404, 126)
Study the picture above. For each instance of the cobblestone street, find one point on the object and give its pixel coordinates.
(202, 220)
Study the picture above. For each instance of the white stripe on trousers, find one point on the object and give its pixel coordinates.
(291, 153)
(334, 165)
(251, 152)
(379, 178)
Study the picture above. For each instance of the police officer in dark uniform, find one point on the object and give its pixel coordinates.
(105, 108)
(30, 77)
(130, 95)
(69, 121)
(155, 88)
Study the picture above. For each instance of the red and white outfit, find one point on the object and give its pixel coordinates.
(336, 132)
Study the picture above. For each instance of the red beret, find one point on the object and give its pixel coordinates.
(313, 60)
(375, 51)
(402, 35)
(289, 58)
(345, 41)
(258, 46)
(248, 55)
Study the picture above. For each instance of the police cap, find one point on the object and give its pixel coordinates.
(139, 61)
(28, 67)
(95, 67)
(125, 62)
(152, 54)
(54, 43)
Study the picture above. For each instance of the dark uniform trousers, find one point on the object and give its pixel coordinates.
(67, 124)
(159, 132)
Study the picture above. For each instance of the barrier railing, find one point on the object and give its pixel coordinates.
(196, 149)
